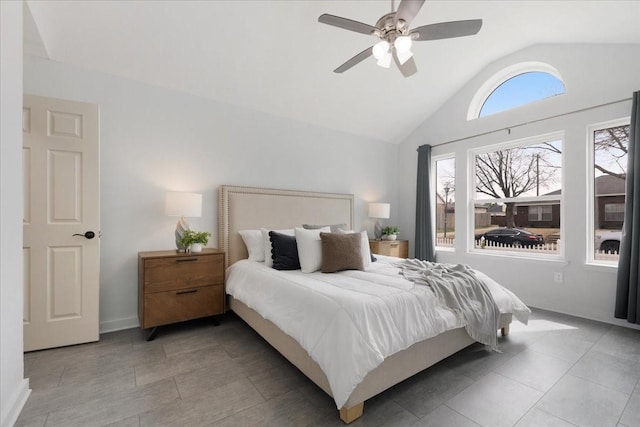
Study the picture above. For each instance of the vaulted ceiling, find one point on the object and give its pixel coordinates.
(274, 56)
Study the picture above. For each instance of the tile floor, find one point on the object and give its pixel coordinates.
(557, 371)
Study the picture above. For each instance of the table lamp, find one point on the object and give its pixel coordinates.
(379, 211)
(183, 205)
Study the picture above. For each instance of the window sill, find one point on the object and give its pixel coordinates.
(598, 266)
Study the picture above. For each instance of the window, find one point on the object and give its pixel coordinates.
(522, 89)
(445, 201)
(540, 213)
(518, 196)
(614, 212)
(609, 145)
(515, 86)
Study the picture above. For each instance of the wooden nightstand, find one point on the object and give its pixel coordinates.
(396, 248)
(174, 287)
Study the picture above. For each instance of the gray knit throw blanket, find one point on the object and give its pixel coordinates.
(460, 290)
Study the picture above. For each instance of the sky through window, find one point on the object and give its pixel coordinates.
(520, 90)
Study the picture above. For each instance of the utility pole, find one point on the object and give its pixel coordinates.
(537, 174)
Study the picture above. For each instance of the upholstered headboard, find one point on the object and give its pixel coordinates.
(246, 208)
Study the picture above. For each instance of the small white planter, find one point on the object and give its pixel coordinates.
(390, 236)
(196, 247)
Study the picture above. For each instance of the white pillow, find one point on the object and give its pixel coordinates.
(266, 243)
(253, 241)
(310, 248)
(364, 246)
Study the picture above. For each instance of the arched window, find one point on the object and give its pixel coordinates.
(515, 86)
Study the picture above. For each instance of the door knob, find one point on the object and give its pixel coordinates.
(88, 234)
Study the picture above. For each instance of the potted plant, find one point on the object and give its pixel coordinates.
(390, 233)
(193, 241)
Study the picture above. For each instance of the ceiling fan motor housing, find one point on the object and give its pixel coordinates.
(387, 29)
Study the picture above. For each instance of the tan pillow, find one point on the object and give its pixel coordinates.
(341, 252)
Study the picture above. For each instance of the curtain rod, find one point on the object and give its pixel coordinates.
(508, 129)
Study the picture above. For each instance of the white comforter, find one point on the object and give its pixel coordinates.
(349, 322)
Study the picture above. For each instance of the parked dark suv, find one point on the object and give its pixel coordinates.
(512, 237)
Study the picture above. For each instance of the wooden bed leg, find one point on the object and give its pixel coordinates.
(349, 415)
(505, 331)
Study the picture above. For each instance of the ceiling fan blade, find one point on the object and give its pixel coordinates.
(407, 10)
(407, 69)
(355, 60)
(347, 24)
(446, 30)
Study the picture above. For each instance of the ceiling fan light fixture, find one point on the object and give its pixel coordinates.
(380, 49)
(395, 36)
(385, 60)
(403, 44)
(403, 56)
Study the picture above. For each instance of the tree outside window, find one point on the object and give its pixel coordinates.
(519, 187)
(445, 201)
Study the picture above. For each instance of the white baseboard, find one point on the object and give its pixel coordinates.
(11, 413)
(119, 324)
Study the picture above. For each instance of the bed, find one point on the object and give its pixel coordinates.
(242, 208)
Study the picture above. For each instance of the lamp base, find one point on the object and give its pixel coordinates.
(181, 227)
(377, 231)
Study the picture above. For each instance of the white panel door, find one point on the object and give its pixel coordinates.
(61, 211)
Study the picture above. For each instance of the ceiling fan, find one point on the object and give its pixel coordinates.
(395, 36)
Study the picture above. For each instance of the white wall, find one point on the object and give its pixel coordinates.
(594, 75)
(153, 140)
(14, 389)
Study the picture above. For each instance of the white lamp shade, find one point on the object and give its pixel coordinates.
(402, 44)
(379, 210)
(385, 61)
(380, 49)
(183, 204)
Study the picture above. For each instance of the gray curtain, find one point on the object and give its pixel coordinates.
(425, 241)
(628, 289)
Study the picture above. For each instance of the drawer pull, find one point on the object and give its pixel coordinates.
(186, 259)
(191, 291)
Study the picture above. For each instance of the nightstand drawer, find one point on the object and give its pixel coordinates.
(162, 308)
(395, 248)
(164, 274)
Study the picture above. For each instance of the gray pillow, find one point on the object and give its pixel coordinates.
(341, 252)
(334, 227)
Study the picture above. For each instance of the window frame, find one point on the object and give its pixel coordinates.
(472, 201)
(614, 212)
(590, 256)
(540, 213)
(493, 82)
